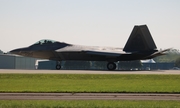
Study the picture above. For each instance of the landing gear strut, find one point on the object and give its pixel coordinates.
(58, 65)
(111, 66)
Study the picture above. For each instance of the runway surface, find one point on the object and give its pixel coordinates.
(87, 96)
(14, 71)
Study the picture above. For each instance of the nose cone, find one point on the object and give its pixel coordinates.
(18, 51)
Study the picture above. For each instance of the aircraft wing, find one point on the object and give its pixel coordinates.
(111, 54)
(102, 51)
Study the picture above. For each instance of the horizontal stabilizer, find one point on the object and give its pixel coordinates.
(159, 53)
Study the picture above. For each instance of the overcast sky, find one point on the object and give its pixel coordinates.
(87, 22)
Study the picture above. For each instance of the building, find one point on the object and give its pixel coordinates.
(8, 61)
(48, 65)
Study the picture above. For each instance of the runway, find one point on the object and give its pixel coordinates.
(87, 96)
(14, 71)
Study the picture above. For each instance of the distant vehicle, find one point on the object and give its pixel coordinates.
(148, 68)
(140, 46)
(175, 68)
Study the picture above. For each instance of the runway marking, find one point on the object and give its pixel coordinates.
(87, 96)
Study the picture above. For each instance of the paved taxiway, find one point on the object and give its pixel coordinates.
(14, 71)
(87, 96)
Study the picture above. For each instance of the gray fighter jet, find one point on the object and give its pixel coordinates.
(139, 46)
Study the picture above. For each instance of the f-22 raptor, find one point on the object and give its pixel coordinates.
(140, 46)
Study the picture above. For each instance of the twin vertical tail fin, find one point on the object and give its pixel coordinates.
(140, 40)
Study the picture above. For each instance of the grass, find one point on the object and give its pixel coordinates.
(87, 104)
(89, 83)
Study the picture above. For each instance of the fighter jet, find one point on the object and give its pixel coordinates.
(140, 46)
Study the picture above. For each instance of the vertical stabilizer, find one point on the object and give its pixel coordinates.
(140, 40)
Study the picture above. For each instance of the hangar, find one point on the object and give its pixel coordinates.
(9, 61)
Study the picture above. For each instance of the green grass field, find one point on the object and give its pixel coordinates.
(89, 83)
(87, 104)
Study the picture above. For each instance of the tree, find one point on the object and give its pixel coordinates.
(1, 52)
(177, 63)
(170, 57)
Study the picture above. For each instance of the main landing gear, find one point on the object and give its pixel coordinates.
(111, 66)
(58, 65)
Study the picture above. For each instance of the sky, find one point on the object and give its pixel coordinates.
(87, 22)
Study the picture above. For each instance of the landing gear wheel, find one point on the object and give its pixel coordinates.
(111, 66)
(58, 67)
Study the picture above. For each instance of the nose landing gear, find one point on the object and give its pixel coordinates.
(58, 65)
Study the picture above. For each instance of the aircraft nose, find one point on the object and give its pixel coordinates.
(15, 51)
(18, 51)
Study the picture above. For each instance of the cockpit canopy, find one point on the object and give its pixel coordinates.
(45, 41)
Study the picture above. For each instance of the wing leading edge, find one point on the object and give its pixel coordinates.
(103, 53)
